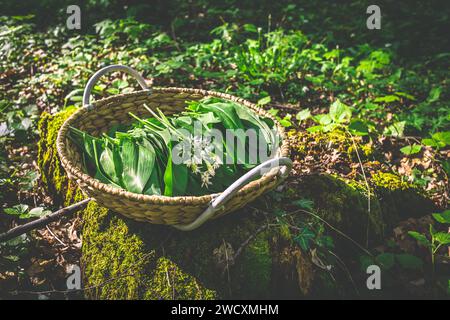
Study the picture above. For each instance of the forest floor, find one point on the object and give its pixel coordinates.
(392, 103)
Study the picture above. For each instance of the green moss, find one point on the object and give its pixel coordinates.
(53, 176)
(400, 199)
(305, 143)
(169, 281)
(110, 252)
(119, 265)
(299, 148)
(390, 181)
(257, 258)
(345, 207)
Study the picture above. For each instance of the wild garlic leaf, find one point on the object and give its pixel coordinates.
(146, 162)
(175, 178)
(108, 165)
(246, 114)
(138, 161)
(154, 184)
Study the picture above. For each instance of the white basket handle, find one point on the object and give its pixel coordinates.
(218, 202)
(115, 67)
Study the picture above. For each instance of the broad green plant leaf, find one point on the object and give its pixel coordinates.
(443, 217)
(138, 162)
(412, 149)
(304, 237)
(409, 261)
(340, 112)
(421, 239)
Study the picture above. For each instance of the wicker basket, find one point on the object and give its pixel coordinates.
(186, 212)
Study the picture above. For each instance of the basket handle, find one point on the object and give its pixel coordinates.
(218, 202)
(115, 67)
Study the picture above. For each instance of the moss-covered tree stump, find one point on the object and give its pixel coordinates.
(253, 253)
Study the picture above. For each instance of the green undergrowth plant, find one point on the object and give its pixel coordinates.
(435, 240)
(339, 116)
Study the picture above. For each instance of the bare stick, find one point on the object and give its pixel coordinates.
(41, 222)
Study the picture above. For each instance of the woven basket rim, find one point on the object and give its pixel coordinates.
(91, 182)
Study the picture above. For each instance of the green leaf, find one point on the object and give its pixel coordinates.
(113, 91)
(365, 261)
(111, 164)
(412, 149)
(446, 166)
(387, 260)
(138, 161)
(359, 128)
(387, 99)
(180, 176)
(87, 145)
(396, 129)
(304, 204)
(314, 129)
(303, 115)
(438, 140)
(73, 93)
(285, 122)
(146, 162)
(37, 212)
(409, 261)
(273, 111)
(264, 101)
(434, 94)
(443, 137)
(323, 119)
(340, 112)
(432, 143)
(421, 239)
(250, 28)
(17, 209)
(325, 241)
(154, 185)
(247, 115)
(97, 147)
(406, 95)
(442, 237)
(443, 217)
(12, 258)
(225, 112)
(304, 237)
(17, 241)
(175, 178)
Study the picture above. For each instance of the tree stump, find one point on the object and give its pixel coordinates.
(247, 254)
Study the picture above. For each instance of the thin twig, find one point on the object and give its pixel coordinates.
(41, 222)
(367, 186)
(122, 275)
(54, 236)
(81, 289)
(346, 270)
(247, 241)
(227, 266)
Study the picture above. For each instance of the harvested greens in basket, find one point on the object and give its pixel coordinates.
(199, 151)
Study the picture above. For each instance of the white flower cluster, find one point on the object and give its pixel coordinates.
(201, 158)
